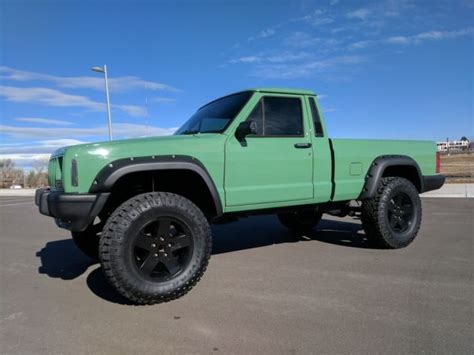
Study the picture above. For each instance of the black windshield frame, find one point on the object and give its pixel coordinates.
(228, 106)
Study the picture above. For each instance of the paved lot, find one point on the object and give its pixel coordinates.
(261, 294)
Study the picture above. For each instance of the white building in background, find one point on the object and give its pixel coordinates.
(452, 146)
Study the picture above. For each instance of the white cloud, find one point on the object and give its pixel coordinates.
(339, 29)
(49, 97)
(361, 14)
(301, 40)
(430, 36)
(38, 147)
(286, 57)
(263, 34)
(246, 60)
(123, 83)
(322, 21)
(307, 68)
(315, 18)
(399, 40)
(27, 160)
(122, 130)
(164, 100)
(56, 98)
(132, 110)
(282, 57)
(333, 2)
(29, 154)
(46, 121)
(361, 44)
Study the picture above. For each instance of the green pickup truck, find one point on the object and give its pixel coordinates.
(144, 207)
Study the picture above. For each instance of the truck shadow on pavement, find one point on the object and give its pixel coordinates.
(255, 232)
(61, 259)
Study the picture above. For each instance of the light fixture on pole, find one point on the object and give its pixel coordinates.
(109, 113)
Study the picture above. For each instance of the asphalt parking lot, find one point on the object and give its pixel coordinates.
(262, 293)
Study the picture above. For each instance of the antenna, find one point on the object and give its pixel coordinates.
(146, 111)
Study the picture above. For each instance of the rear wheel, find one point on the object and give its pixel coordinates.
(300, 221)
(392, 217)
(155, 247)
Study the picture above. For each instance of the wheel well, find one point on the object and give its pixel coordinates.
(405, 171)
(186, 183)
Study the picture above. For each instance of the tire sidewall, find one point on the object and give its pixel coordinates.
(88, 242)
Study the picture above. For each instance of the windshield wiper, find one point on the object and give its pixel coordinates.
(190, 131)
(195, 131)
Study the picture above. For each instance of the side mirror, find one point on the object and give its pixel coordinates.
(246, 128)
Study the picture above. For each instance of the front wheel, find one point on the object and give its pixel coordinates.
(392, 218)
(155, 247)
(88, 240)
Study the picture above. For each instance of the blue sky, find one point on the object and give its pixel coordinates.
(382, 69)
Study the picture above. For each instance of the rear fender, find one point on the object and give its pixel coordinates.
(379, 166)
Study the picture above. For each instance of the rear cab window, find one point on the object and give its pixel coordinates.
(318, 126)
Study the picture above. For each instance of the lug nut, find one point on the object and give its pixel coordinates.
(155, 255)
(169, 245)
(153, 245)
(165, 254)
(162, 239)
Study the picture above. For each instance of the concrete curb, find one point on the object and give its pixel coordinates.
(452, 191)
(17, 192)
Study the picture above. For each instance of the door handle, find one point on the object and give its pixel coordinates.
(302, 145)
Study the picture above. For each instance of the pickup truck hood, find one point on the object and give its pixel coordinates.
(135, 147)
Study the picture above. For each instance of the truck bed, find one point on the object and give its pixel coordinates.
(353, 157)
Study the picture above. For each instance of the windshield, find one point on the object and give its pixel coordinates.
(216, 115)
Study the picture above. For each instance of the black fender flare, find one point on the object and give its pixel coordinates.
(113, 171)
(377, 169)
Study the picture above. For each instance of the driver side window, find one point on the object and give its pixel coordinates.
(278, 117)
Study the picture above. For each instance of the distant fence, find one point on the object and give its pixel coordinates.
(456, 152)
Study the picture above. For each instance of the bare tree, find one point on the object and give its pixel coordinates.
(9, 175)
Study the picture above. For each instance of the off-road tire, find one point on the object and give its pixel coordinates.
(376, 214)
(116, 247)
(88, 241)
(300, 222)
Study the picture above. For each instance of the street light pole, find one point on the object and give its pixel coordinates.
(109, 113)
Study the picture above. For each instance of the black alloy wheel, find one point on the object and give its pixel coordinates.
(162, 249)
(400, 212)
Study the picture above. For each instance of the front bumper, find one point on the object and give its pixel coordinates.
(72, 211)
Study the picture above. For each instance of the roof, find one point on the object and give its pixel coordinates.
(268, 90)
(284, 91)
